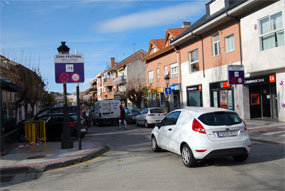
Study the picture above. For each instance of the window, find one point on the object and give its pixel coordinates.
(171, 119)
(153, 50)
(157, 75)
(220, 118)
(194, 60)
(216, 44)
(230, 43)
(174, 70)
(271, 31)
(165, 71)
(150, 77)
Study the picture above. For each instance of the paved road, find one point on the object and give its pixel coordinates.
(131, 165)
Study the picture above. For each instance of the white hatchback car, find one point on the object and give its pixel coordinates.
(198, 133)
(150, 116)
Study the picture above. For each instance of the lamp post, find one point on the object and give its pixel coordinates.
(66, 141)
(166, 78)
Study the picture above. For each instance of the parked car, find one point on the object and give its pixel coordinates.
(198, 133)
(131, 115)
(54, 126)
(150, 116)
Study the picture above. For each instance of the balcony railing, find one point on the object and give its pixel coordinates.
(120, 80)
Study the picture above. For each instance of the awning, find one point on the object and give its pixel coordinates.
(8, 85)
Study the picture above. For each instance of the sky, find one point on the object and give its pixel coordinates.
(32, 30)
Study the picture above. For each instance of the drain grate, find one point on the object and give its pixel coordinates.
(37, 157)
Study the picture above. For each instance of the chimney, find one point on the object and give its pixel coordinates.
(112, 62)
(186, 24)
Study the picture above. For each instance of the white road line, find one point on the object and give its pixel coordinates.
(274, 133)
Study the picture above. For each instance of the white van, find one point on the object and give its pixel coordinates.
(106, 111)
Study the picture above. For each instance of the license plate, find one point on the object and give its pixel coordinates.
(227, 133)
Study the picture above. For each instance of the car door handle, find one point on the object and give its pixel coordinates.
(170, 129)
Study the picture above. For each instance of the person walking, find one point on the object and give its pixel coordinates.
(122, 117)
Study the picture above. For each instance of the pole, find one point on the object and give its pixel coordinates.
(66, 142)
(78, 117)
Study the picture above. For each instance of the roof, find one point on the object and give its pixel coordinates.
(175, 32)
(159, 43)
(207, 18)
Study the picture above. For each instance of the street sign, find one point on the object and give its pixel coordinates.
(69, 68)
(167, 91)
(236, 74)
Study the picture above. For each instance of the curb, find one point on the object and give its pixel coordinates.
(264, 141)
(43, 168)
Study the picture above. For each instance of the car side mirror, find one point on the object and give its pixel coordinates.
(158, 125)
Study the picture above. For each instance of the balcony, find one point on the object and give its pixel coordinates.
(120, 80)
(108, 82)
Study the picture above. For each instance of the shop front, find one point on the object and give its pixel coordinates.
(262, 96)
(194, 95)
(222, 95)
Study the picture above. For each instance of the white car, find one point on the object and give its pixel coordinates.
(150, 116)
(198, 133)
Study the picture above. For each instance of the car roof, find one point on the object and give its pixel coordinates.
(202, 110)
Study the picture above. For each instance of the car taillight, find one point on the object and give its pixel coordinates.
(72, 124)
(245, 128)
(165, 114)
(196, 126)
(151, 114)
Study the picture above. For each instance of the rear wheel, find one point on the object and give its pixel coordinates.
(146, 124)
(241, 158)
(187, 156)
(154, 145)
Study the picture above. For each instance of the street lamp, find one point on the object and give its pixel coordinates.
(166, 78)
(66, 141)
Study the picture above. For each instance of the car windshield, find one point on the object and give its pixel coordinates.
(156, 111)
(220, 118)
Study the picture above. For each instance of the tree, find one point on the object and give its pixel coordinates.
(32, 85)
(135, 92)
(48, 100)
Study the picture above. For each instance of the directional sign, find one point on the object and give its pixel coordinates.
(236, 74)
(69, 68)
(167, 91)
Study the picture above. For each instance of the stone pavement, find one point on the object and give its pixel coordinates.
(21, 159)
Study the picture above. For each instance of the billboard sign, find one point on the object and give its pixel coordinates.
(69, 68)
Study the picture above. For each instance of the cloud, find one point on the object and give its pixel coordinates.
(154, 17)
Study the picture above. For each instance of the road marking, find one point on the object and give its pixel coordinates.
(274, 133)
(78, 164)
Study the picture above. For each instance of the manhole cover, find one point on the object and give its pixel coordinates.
(37, 157)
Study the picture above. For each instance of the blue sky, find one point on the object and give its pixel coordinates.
(31, 30)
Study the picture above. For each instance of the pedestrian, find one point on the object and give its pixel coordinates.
(122, 117)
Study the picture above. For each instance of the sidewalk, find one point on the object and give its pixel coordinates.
(21, 160)
(266, 131)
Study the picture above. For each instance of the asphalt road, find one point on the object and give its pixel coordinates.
(131, 165)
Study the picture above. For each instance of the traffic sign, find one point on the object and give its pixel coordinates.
(69, 68)
(236, 74)
(167, 91)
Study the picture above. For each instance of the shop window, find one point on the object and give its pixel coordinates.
(224, 98)
(255, 99)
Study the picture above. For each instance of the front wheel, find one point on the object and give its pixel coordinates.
(154, 145)
(187, 156)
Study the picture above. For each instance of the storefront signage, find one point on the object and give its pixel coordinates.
(159, 90)
(153, 91)
(175, 86)
(236, 74)
(260, 80)
(195, 88)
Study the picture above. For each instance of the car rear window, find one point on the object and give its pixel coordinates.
(156, 111)
(220, 118)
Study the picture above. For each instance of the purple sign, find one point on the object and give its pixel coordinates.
(235, 74)
(69, 68)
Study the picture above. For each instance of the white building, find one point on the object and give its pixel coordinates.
(263, 53)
